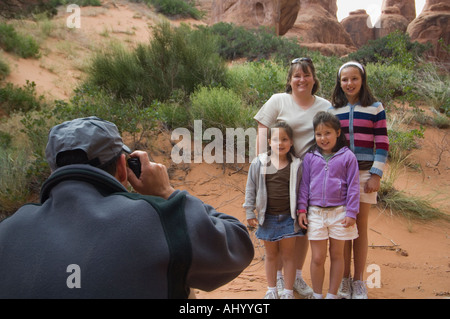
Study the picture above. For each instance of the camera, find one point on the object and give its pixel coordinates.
(135, 165)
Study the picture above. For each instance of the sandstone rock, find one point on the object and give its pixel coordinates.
(317, 24)
(390, 20)
(279, 14)
(407, 7)
(359, 27)
(430, 3)
(433, 26)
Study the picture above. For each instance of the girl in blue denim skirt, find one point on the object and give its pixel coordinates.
(272, 186)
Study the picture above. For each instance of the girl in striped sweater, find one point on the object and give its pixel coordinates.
(363, 120)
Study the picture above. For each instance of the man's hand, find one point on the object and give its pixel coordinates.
(154, 179)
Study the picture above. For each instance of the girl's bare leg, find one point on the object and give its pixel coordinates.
(360, 244)
(318, 256)
(336, 264)
(287, 252)
(271, 263)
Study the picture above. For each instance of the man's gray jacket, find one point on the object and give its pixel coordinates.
(91, 238)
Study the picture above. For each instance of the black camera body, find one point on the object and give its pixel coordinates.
(135, 165)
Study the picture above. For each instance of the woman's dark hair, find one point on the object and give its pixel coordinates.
(287, 129)
(307, 66)
(366, 97)
(79, 156)
(332, 121)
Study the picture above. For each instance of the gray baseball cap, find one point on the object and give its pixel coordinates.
(100, 140)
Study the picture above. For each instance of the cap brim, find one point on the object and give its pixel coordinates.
(126, 149)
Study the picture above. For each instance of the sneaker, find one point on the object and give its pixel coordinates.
(270, 294)
(359, 290)
(280, 284)
(302, 287)
(287, 296)
(345, 288)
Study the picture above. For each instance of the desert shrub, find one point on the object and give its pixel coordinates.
(22, 45)
(434, 88)
(183, 8)
(117, 70)
(255, 82)
(20, 99)
(175, 59)
(326, 69)
(403, 204)
(4, 68)
(131, 115)
(174, 115)
(14, 190)
(5, 140)
(395, 48)
(412, 207)
(441, 121)
(402, 142)
(221, 108)
(391, 81)
(175, 112)
(253, 44)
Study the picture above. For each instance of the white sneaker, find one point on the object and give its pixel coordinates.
(280, 284)
(270, 294)
(285, 295)
(359, 290)
(302, 287)
(314, 296)
(345, 288)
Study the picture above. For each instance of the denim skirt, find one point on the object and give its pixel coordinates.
(277, 227)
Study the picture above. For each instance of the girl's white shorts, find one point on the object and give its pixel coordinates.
(370, 198)
(324, 223)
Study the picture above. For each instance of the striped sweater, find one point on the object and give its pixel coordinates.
(365, 129)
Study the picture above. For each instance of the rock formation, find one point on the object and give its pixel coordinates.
(407, 7)
(317, 27)
(433, 26)
(391, 20)
(279, 14)
(359, 27)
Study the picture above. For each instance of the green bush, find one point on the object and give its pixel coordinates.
(401, 143)
(175, 59)
(183, 8)
(14, 190)
(132, 115)
(4, 68)
(23, 45)
(434, 88)
(255, 82)
(237, 42)
(221, 108)
(16, 99)
(5, 140)
(174, 115)
(326, 70)
(391, 81)
(395, 48)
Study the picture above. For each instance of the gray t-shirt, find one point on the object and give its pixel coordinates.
(282, 107)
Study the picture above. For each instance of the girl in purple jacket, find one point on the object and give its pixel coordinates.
(328, 200)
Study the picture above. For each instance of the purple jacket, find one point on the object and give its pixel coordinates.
(329, 184)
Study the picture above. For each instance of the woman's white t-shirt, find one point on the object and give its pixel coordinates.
(282, 107)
